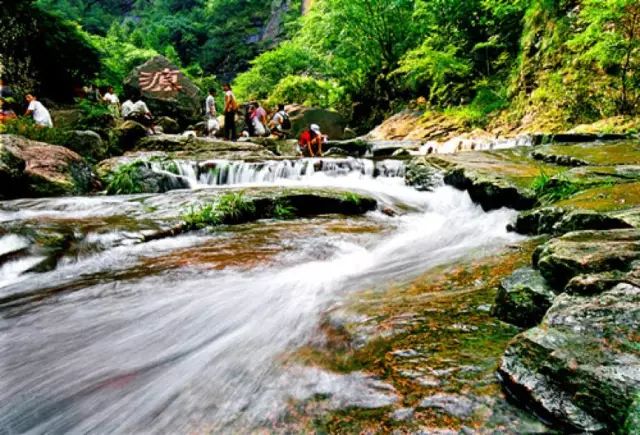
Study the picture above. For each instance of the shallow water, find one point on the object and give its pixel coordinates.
(187, 333)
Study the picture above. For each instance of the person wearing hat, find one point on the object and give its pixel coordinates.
(310, 141)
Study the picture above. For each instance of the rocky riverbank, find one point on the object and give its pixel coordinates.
(579, 365)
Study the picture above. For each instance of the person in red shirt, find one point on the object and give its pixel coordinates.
(310, 141)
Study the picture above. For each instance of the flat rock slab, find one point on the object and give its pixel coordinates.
(494, 179)
(626, 152)
(581, 366)
(214, 148)
(587, 252)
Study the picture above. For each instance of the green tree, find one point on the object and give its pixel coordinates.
(611, 41)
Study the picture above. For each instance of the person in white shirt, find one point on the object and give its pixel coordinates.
(280, 123)
(135, 109)
(40, 114)
(211, 113)
(113, 101)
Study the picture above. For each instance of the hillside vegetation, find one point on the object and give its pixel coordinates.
(503, 64)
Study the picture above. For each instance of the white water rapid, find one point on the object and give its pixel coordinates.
(142, 338)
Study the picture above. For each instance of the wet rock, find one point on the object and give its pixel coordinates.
(523, 298)
(555, 220)
(581, 367)
(36, 169)
(490, 193)
(422, 176)
(127, 135)
(353, 148)
(181, 102)
(357, 389)
(561, 160)
(451, 404)
(587, 252)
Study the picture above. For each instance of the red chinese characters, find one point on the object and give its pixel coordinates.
(160, 81)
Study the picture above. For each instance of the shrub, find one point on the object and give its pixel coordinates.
(94, 115)
(351, 197)
(231, 208)
(307, 91)
(27, 128)
(283, 210)
(552, 189)
(126, 179)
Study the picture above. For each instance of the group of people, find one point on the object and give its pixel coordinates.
(258, 124)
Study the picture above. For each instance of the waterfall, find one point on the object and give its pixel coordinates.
(238, 173)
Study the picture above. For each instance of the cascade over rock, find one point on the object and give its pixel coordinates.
(180, 100)
(34, 169)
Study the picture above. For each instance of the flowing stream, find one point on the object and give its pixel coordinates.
(187, 333)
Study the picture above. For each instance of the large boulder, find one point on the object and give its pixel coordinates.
(523, 298)
(88, 144)
(36, 169)
(167, 91)
(581, 366)
(126, 136)
(331, 123)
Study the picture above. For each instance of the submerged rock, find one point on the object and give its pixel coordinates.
(35, 169)
(581, 367)
(422, 176)
(523, 298)
(451, 404)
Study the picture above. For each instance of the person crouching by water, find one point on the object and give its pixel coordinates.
(280, 124)
(134, 109)
(40, 114)
(230, 109)
(310, 141)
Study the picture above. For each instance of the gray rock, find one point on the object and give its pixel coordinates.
(581, 367)
(523, 298)
(587, 252)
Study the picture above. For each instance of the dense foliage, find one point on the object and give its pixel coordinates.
(43, 54)
(558, 62)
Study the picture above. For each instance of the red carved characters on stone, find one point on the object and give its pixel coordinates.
(160, 81)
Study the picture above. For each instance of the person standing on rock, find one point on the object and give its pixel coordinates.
(40, 114)
(230, 109)
(211, 113)
(113, 101)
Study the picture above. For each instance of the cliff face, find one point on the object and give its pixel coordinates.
(274, 28)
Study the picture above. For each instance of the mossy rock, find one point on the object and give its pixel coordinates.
(523, 298)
